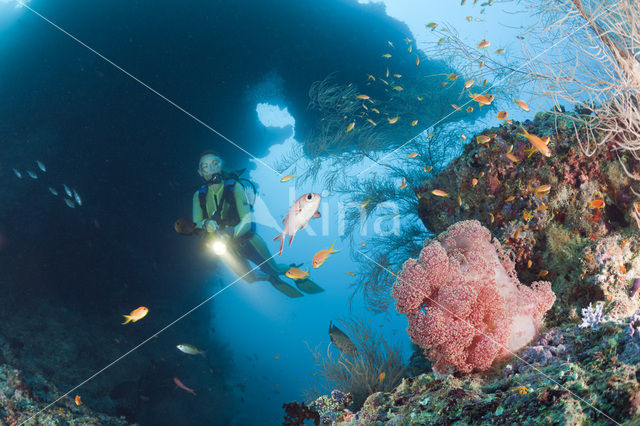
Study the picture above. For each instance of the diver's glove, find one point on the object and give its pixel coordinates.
(210, 225)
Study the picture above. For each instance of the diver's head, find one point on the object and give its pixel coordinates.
(209, 164)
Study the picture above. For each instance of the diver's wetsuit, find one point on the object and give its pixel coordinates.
(236, 212)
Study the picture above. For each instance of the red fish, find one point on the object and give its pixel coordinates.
(183, 387)
(299, 214)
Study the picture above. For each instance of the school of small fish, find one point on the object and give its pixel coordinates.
(72, 199)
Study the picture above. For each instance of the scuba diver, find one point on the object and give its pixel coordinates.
(221, 208)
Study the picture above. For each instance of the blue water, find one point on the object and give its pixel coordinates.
(132, 157)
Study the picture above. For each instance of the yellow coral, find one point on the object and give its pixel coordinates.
(522, 390)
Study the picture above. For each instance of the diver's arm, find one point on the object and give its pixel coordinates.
(244, 212)
(197, 211)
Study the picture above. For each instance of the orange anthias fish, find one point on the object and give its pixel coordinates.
(414, 122)
(381, 377)
(392, 120)
(296, 273)
(78, 400)
(364, 97)
(502, 115)
(482, 139)
(136, 314)
(350, 126)
(413, 155)
(468, 84)
(183, 387)
(403, 184)
(596, 204)
(364, 203)
(537, 144)
(511, 157)
(320, 257)
(542, 190)
(286, 178)
(522, 104)
(439, 193)
(483, 44)
(482, 99)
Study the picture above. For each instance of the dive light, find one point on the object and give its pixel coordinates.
(217, 246)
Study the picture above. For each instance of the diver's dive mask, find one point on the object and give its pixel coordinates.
(209, 165)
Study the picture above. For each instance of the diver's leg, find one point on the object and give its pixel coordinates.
(254, 249)
(240, 267)
(247, 251)
(260, 253)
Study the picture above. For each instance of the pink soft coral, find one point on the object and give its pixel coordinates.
(465, 305)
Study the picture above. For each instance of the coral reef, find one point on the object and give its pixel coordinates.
(464, 304)
(22, 401)
(359, 372)
(567, 218)
(568, 375)
(297, 413)
(55, 355)
(333, 409)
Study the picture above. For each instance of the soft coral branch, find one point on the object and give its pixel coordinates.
(465, 306)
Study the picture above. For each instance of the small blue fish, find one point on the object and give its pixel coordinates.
(17, 173)
(77, 198)
(67, 191)
(41, 165)
(53, 191)
(69, 203)
(32, 175)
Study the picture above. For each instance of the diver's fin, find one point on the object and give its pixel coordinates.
(308, 286)
(285, 288)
